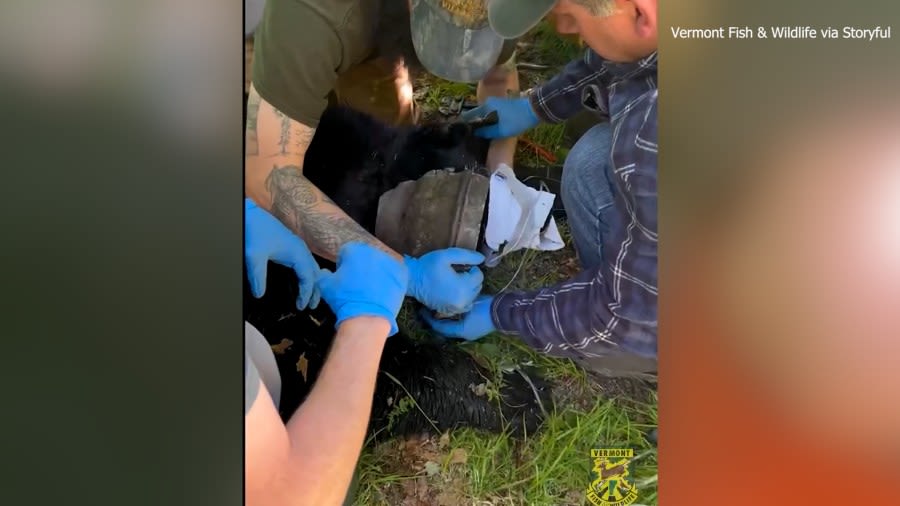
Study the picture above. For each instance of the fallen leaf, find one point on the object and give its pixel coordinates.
(449, 498)
(423, 490)
(481, 360)
(281, 347)
(459, 456)
(432, 468)
(480, 389)
(410, 490)
(575, 497)
(571, 266)
(302, 365)
(444, 441)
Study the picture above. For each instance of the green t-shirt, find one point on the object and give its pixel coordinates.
(301, 46)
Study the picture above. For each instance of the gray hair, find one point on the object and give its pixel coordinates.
(600, 8)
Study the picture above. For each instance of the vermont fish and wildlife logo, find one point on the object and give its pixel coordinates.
(612, 485)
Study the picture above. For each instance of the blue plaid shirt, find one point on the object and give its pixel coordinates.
(613, 305)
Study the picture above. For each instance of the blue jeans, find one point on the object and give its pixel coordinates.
(587, 193)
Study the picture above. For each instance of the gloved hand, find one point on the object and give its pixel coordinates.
(435, 283)
(515, 116)
(367, 282)
(266, 238)
(474, 325)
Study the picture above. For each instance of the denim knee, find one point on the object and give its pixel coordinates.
(586, 164)
(587, 193)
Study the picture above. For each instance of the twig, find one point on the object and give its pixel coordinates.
(539, 150)
(537, 396)
(532, 66)
(515, 274)
(395, 380)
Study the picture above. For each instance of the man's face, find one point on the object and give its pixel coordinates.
(624, 36)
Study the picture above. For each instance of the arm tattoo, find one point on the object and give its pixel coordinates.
(252, 114)
(304, 138)
(285, 131)
(311, 214)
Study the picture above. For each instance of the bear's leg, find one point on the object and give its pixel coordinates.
(434, 386)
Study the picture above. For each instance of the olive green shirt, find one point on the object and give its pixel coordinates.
(301, 46)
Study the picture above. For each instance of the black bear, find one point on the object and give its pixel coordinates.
(423, 385)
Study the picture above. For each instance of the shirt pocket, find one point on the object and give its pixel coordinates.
(595, 100)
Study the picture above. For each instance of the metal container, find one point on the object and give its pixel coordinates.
(442, 209)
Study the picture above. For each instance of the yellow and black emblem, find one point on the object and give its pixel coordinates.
(612, 485)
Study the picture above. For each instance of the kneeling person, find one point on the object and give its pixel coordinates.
(606, 316)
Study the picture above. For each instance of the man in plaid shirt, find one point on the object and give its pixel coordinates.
(605, 317)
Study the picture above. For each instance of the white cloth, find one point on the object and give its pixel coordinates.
(516, 215)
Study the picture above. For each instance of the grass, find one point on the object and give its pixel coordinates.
(433, 89)
(548, 137)
(552, 49)
(553, 466)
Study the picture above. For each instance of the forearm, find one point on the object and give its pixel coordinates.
(545, 317)
(276, 147)
(501, 81)
(574, 314)
(312, 215)
(327, 432)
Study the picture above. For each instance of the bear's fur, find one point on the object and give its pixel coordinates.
(354, 159)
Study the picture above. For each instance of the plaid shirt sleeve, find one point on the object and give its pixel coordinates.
(571, 319)
(562, 97)
(614, 304)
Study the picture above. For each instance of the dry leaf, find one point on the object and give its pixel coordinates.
(410, 490)
(423, 490)
(444, 441)
(575, 497)
(432, 468)
(281, 347)
(449, 498)
(459, 456)
(302, 365)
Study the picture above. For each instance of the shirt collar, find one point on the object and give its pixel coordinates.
(645, 65)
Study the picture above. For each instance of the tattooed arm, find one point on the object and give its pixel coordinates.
(276, 146)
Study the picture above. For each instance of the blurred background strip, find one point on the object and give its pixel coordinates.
(780, 269)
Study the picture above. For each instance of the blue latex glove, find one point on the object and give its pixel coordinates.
(435, 283)
(515, 117)
(474, 325)
(367, 282)
(265, 239)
